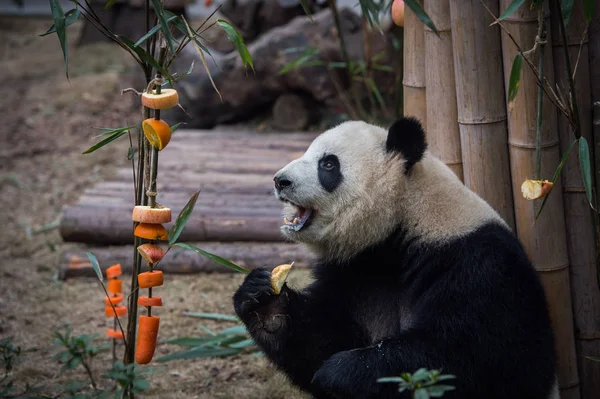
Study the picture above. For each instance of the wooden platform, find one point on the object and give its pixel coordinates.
(236, 214)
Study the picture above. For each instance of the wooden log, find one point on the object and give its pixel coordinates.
(581, 241)
(413, 80)
(113, 226)
(74, 262)
(548, 252)
(481, 108)
(443, 134)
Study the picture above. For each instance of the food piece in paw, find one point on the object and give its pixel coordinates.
(278, 277)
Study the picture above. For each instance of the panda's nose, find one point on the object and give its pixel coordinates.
(281, 182)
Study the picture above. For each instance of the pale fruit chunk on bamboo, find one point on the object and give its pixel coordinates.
(168, 98)
(146, 214)
(534, 189)
(278, 277)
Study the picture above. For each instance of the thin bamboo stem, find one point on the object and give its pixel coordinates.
(541, 39)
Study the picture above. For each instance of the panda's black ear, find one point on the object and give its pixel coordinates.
(407, 137)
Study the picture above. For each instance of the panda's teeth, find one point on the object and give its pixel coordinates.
(296, 220)
(286, 221)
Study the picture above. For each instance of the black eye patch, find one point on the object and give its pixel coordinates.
(330, 174)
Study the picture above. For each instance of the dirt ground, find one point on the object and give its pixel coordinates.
(46, 122)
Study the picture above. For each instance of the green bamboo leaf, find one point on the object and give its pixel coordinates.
(586, 168)
(154, 30)
(563, 160)
(95, 265)
(177, 77)
(512, 7)
(107, 131)
(145, 56)
(159, 10)
(109, 139)
(415, 6)
(60, 25)
(176, 126)
(238, 41)
(212, 316)
(421, 393)
(306, 9)
(307, 55)
(515, 80)
(70, 17)
(243, 344)
(182, 218)
(588, 10)
(109, 4)
(567, 10)
(214, 258)
(200, 353)
(238, 330)
(595, 359)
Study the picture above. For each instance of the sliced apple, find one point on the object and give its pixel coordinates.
(152, 253)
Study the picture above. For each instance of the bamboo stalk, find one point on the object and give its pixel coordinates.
(443, 134)
(581, 241)
(480, 101)
(548, 252)
(413, 80)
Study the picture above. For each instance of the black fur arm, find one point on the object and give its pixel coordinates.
(294, 332)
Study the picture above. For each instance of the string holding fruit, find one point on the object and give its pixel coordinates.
(112, 309)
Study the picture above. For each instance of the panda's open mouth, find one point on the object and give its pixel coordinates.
(298, 216)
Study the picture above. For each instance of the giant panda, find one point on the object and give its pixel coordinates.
(413, 270)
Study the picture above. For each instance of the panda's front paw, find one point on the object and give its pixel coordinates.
(254, 291)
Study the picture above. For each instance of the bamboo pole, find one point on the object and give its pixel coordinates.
(414, 67)
(548, 252)
(480, 99)
(443, 135)
(581, 241)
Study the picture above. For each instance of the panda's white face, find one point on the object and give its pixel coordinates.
(334, 194)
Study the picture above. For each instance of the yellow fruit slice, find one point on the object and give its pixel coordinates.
(534, 189)
(157, 132)
(278, 277)
(168, 98)
(146, 214)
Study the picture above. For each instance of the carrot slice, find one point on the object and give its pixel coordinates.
(115, 300)
(115, 286)
(152, 253)
(147, 302)
(114, 271)
(111, 333)
(120, 310)
(151, 231)
(146, 341)
(150, 279)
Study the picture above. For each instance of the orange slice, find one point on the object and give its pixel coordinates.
(157, 132)
(151, 231)
(145, 214)
(168, 98)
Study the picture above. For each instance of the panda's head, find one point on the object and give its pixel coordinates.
(343, 194)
